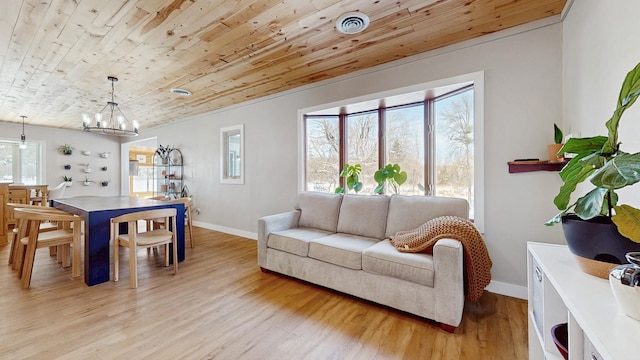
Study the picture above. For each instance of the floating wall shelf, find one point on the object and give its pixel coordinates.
(537, 165)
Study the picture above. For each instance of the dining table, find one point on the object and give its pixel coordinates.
(97, 212)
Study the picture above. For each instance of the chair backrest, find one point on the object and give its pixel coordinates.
(43, 214)
(187, 201)
(146, 214)
(35, 207)
(56, 192)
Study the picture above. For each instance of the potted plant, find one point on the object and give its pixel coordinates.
(163, 153)
(597, 215)
(87, 182)
(390, 174)
(67, 167)
(68, 180)
(554, 149)
(66, 149)
(105, 182)
(352, 174)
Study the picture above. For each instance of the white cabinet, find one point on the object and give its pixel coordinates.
(559, 292)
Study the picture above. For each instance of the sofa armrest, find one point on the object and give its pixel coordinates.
(448, 260)
(271, 223)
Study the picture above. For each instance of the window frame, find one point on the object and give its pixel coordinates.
(475, 80)
(40, 170)
(226, 154)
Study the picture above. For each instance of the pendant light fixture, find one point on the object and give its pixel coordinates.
(114, 123)
(23, 138)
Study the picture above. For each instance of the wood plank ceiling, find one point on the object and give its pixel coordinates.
(55, 55)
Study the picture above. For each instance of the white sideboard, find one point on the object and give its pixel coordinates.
(559, 292)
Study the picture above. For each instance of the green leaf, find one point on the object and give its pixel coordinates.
(379, 189)
(380, 176)
(339, 190)
(590, 205)
(627, 220)
(573, 173)
(583, 145)
(621, 171)
(556, 219)
(357, 186)
(628, 95)
(557, 134)
(400, 177)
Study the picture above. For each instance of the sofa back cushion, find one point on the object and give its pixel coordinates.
(364, 215)
(409, 212)
(319, 210)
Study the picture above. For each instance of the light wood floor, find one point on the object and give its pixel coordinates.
(220, 306)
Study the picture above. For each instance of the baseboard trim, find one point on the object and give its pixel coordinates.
(224, 229)
(507, 289)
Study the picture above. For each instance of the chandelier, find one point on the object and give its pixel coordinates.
(114, 123)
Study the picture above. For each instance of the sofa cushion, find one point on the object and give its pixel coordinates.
(294, 241)
(340, 249)
(409, 212)
(382, 258)
(364, 215)
(319, 210)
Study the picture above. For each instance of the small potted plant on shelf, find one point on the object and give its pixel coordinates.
(105, 182)
(68, 180)
(87, 182)
(66, 149)
(554, 148)
(67, 167)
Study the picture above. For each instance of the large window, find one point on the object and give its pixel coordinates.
(431, 138)
(20, 165)
(322, 150)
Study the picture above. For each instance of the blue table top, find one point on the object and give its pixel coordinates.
(102, 203)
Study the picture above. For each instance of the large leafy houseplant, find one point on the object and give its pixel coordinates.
(600, 160)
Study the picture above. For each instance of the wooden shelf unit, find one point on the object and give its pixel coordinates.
(559, 292)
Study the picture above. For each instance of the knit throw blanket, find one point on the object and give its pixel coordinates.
(477, 264)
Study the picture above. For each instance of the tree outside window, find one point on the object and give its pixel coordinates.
(432, 140)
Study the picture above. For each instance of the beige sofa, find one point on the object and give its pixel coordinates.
(341, 242)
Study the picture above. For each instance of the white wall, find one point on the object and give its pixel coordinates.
(600, 45)
(523, 91)
(54, 161)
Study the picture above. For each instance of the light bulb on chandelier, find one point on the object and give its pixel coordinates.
(116, 123)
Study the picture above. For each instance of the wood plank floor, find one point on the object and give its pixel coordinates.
(220, 306)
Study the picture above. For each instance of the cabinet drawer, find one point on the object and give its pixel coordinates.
(20, 196)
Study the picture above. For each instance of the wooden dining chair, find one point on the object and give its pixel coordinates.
(134, 239)
(44, 226)
(31, 238)
(188, 204)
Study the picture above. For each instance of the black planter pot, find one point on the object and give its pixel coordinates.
(598, 242)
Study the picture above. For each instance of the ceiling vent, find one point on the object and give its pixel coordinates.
(352, 23)
(181, 92)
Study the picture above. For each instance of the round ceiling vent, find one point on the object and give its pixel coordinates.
(352, 22)
(181, 92)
